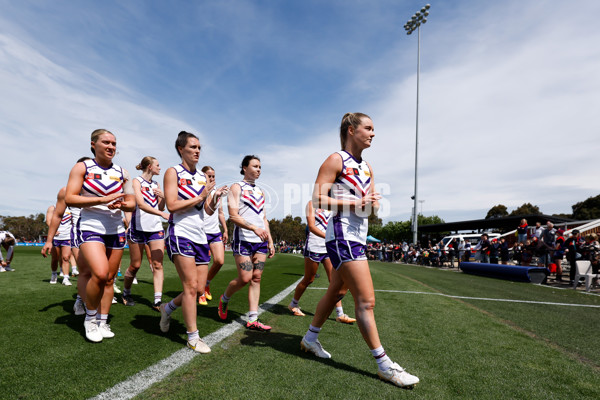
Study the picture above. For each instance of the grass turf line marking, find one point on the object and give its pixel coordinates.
(480, 298)
(141, 381)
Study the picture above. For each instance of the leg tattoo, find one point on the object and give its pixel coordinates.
(259, 265)
(246, 265)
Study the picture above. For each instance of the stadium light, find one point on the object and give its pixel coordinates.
(414, 24)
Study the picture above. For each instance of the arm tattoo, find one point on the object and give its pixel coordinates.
(259, 265)
(246, 265)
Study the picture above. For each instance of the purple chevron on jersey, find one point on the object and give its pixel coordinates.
(255, 203)
(96, 187)
(66, 219)
(150, 198)
(353, 183)
(322, 218)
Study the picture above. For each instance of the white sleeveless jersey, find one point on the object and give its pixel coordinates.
(142, 221)
(75, 212)
(211, 222)
(64, 229)
(353, 183)
(189, 223)
(252, 208)
(6, 234)
(314, 243)
(99, 182)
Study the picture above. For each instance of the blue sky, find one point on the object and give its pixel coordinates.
(509, 95)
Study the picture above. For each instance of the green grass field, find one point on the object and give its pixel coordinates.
(459, 347)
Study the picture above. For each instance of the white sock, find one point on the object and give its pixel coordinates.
(101, 318)
(294, 303)
(170, 307)
(252, 316)
(339, 311)
(383, 361)
(157, 297)
(193, 335)
(312, 334)
(90, 315)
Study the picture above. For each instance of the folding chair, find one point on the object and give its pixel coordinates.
(584, 270)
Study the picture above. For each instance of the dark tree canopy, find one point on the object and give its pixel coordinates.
(398, 231)
(527, 209)
(587, 209)
(497, 212)
(25, 228)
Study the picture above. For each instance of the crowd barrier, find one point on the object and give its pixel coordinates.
(510, 272)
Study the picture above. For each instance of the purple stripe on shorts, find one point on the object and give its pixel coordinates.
(116, 241)
(243, 248)
(341, 251)
(316, 257)
(61, 243)
(140, 237)
(214, 237)
(178, 245)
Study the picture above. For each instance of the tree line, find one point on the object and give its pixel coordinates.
(28, 229)
(581, 211)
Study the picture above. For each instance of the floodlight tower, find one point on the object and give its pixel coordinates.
(414, 24)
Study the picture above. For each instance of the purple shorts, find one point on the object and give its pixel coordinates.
(61, 243)
(116, 241)
(341, 251)
(316, 257)
(178, 245)
(243, 248)
(142, 237)
(214, 237)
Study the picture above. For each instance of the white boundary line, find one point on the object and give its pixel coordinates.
(141, 381)
(479, 298)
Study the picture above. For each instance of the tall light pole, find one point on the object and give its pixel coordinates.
(414, 24)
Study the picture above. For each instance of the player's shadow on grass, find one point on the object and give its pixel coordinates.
(66, 305)
(70, 320)
(293, 274)
(279, 309)
(141, 300)
(150, 325)
(290, 344)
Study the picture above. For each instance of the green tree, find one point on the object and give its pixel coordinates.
(290, 229)
(497, 212)
(374, 220)
(587, 209)
(527, 209)
(432, 220)
(25, 228)
(395, 231)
